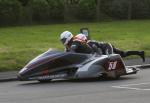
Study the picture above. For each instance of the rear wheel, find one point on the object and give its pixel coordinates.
(112, 75)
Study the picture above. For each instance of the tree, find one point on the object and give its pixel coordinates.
(71, 10)
(39, 10)
(10, 12)
(56, 8)
(98, 3)
(129, 14)
(87, 10)
(24, 2)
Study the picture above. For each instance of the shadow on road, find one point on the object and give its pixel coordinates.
(89, 80)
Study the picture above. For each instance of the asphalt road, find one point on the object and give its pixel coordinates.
(128, 89)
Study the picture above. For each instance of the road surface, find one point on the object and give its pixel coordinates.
(128, 89)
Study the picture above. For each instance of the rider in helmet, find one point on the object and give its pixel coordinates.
(76, 43)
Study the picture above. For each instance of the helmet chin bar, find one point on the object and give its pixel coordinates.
(63, 40)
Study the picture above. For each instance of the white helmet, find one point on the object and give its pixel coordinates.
(65, 37)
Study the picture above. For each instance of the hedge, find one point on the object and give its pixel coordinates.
(56, 10)
(39, 10)
(48, 11)
(10, 12)
(87, 10)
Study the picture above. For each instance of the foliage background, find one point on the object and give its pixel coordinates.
(20, 12)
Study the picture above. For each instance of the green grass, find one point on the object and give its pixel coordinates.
(18, 45)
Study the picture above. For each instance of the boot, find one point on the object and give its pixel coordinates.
(142, 55)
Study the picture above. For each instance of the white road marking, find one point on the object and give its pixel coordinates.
(132, 88)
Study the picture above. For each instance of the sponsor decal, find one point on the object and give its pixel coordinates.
(49, 77)
(112, 65)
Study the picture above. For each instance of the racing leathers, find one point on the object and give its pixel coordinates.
(107, 48)
(79, 44)
(128, 53)
(101, 47)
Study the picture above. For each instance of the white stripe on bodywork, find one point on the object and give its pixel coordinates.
(86, 66)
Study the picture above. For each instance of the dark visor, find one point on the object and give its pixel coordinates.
(63, 40)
